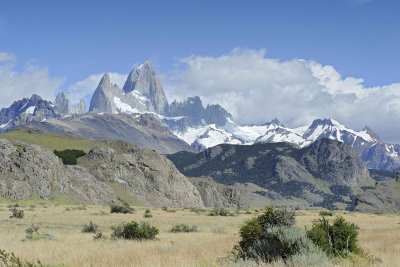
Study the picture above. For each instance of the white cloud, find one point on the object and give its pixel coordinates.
(6, 57)
(255, 88)
(86, 87)
(33, 79)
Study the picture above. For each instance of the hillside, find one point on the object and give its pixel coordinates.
(328, 173)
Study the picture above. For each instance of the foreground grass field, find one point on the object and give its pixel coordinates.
(379, 236)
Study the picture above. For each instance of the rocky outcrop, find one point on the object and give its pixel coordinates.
(382, 198)
(110, 173)
(65, 107)
(32, 171)
(147, 176)
(239, 195)
(334, 161)
(324, 174)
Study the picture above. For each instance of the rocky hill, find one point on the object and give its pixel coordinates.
(381, 198)
(117, 171)
(327, 173)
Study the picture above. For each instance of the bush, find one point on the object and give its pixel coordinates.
(19, 214)
(100, 236)
(147, 214)
(220, 212)
(337, 239)
(10, 260)
(184, 228)
(33, 233)
(325, 213)
(90, 228)
(69, 156)
(125, 208)
(134, 230)
(271, 236)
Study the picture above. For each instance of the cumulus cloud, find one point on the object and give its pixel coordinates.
(32, 79)
(255, 88)
(86, 87)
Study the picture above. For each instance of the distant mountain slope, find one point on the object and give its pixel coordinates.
(327, 173)
(27, 110)
(143, 130)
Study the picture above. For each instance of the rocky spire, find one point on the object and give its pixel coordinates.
(143, 80)
(102, 97)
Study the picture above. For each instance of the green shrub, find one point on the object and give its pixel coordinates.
(326, 213)
(90, 228)
(69, 156)
(147, 214)
(125, 208)
(10, 260)
(134, 230)
(184, 228)
(337, 239)
(271, 236)
(220, 212)
(16, 213)
(33, 233)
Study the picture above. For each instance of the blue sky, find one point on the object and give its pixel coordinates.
(76, 38)
(246, 55)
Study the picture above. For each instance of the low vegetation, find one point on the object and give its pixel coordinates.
(134, 231)
(69, 156)
(90, 228)
(221, 212)
(16, 213)
(33, 233)
(326, 213)
(124, 208)
(147, 214)
(378, 235)
(184, 228)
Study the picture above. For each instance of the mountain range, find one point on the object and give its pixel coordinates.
(215, 161)
(172, 127)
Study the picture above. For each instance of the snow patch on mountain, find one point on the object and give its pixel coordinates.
(30, 110)
(123, 107)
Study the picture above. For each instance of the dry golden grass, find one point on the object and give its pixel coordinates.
(379, 236)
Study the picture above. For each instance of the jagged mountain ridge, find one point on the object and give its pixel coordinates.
(201, 127)
(65, 107)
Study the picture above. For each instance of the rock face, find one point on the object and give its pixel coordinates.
(246, 195)
(142, 92)
(26, 110)
(143, 80)
(382, 198)
(106, 175)
(149, 177)
(143, 130)
(324, 174)
(191, 113)
(335, 162)
(65, 107)
(32, 171)
(103, 97)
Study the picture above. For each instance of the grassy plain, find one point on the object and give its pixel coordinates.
(211, 246)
